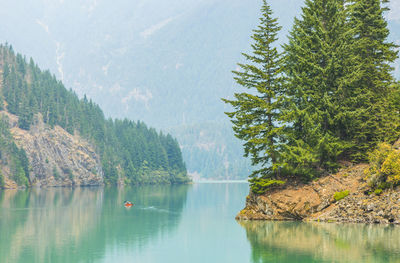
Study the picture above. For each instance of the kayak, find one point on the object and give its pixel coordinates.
(128, 205)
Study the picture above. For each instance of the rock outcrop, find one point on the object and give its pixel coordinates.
(315, 201)
(56, 157)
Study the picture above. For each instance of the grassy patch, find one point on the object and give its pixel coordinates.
(262, 185)
(340, 195)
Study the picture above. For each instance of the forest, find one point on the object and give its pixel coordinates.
(325, 98)
(128, 149)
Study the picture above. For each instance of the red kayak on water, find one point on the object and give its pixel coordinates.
(128, 204)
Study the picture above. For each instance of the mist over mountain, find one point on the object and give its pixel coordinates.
(167, 63)
(150, 60)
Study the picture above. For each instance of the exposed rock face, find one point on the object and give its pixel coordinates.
(8, 183)
(58, 158)
(315, 202)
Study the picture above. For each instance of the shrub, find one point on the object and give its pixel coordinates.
(56, 174)
(340, 195)
(70, 174)
(384, 170)
(1, 180)
(19, 176)
(378, 191)
(262, 185)
(67, 172)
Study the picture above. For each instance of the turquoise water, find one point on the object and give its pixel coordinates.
(193, 223)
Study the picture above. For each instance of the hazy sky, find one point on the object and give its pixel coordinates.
(133, 56)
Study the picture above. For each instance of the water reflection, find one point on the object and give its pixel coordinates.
(322, 242)
(81, 225)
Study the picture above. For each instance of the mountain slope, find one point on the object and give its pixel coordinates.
(46, 116)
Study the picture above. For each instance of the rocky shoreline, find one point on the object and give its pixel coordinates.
(315, 201)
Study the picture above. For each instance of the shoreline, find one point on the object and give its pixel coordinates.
(221, 182)
(317, 201)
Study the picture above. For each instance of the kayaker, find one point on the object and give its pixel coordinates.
(128, 203)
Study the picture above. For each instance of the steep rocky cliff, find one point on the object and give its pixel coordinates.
(315, 201)
(56, 157)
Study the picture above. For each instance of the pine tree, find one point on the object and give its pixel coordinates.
(313, 68)
(256, 114)
(371, 114)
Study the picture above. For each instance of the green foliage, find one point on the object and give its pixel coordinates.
(256, 116)
(313, 66)
(369, 112)
(13, 156)
(1, 180)
(331, 97)
(124, 145)
(384, 169)
(19, 165)
(19, 176)
(262, 185)
(24, 161)
(69, 174)
(56, 174)
(340, 195)
(378, 191)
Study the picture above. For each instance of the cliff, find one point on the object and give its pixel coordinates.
(315, 201)
(56, 157)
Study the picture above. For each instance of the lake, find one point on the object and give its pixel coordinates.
(190, 223)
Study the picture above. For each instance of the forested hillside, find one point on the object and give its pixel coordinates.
(128, 150)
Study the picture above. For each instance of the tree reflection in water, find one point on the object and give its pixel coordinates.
(322, 242)
(79, 225)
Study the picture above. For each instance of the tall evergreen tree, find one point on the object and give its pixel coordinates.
(313, 68)
(368, 102)
(256, 114)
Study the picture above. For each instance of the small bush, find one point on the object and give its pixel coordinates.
(56, 174)
(262, 185)
(340, 195)
(384, 170)
(19, 177)
(1, 180)
(378, 191)
(70, 175)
